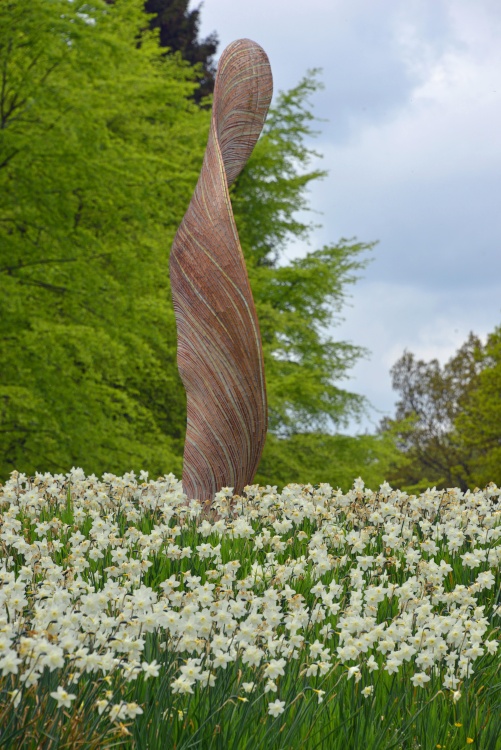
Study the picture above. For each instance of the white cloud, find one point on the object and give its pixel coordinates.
(426, 181)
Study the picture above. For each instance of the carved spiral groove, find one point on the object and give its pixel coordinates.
(219, 354)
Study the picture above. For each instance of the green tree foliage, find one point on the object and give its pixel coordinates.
(314, 457)
(100, 149)
(433, 399)
(479, 421)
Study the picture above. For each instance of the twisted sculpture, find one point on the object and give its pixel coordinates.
(219, 354)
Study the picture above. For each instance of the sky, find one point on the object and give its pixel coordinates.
(412, 144)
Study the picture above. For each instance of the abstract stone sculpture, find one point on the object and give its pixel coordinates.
(219, 354)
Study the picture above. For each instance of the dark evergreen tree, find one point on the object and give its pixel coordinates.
(179, 28)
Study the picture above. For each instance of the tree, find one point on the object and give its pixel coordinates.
(479, 420)
(314, 457)
(100, 149)
(432, 398)
(91, 199)
(179, 29)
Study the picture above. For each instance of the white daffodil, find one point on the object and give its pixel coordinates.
(62, 697)
(276, 708)
(420, 679)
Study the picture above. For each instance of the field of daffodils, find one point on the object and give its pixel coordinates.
(131, 617)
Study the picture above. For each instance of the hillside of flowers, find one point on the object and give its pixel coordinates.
(132, 617)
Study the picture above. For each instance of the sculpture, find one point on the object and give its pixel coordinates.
(219, 354)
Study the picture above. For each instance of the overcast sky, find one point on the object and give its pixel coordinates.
(413, 149)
